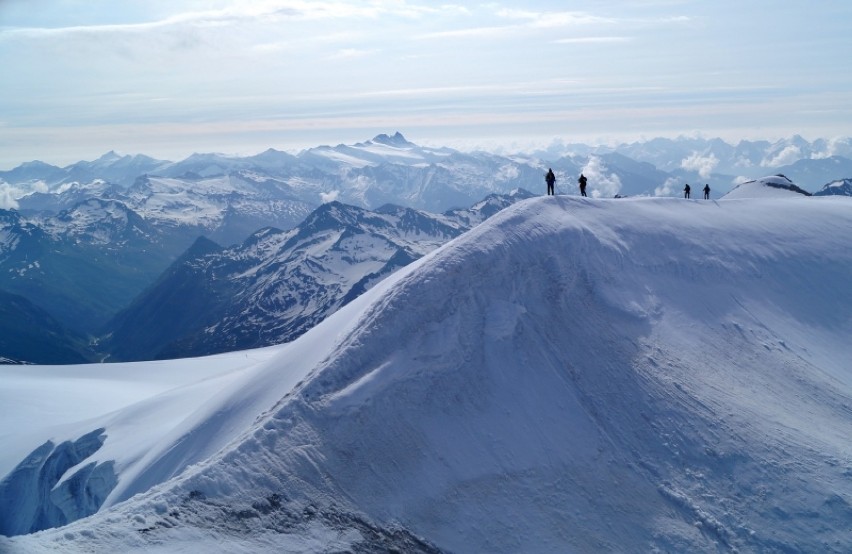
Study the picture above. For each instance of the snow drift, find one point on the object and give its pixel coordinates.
(572, 375)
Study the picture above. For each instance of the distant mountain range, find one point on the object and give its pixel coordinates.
(391, 169)
(278, 284)
(83, 242)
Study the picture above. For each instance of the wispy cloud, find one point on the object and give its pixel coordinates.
(470, 32)
(591, 40)
(543, 19)
(241, 12)
(128, 70)
(521, 21)
(352, 53)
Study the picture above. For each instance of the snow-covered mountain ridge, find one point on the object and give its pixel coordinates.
(842, 187)
(571, 375)
(391, 169)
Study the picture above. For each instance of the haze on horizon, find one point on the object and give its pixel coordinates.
(168, 78)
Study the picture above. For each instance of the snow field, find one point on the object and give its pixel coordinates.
(572, 375)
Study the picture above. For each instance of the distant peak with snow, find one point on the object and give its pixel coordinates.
(841, 187)
(396, 140)
(771, 186)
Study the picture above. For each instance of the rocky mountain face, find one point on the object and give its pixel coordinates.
(29, 334)
(278, 284)
(842, 187)
(84, 264)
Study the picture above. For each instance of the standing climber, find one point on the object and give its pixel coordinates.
(686, 191)
(550, 178)
(707, 192)
(582, 181)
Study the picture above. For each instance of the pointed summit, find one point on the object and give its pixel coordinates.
(109, 157)
(396, 140)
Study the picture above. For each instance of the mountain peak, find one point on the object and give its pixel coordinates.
(396, 140)
(110, 156)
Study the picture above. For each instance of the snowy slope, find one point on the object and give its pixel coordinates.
(573, 375)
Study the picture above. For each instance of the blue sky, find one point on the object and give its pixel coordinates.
(171, 77)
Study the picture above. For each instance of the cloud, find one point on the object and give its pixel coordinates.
(10, 194)
(524, 21)
(704, 165)
(542, 19)
(591, 40)
(601, 184)
(786, 156)
(7, 198)
(669, 188)
(836, 146)
(472, 32)
(351, 53)
(331, 196)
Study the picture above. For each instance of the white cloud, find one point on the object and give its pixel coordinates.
(836, 146)
(591, 40)
(788, 155)
(669, 188)
(326, 197)
(704, 165)
(10, 194)
(542, 19)
(477, 32)
(7, 198)
(351, 53)
(601, 184)
(37, 186)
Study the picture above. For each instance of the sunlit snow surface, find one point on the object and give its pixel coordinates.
(573, 375)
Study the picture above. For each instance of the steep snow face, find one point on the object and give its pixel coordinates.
(572, 375)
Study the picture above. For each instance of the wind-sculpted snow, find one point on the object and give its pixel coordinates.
(573, 375)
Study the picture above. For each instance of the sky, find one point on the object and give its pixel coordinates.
(695, 400)
(171, 77)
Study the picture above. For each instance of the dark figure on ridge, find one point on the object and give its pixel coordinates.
(706, 192)
(686, 191)
(582, 181)
(550, 178)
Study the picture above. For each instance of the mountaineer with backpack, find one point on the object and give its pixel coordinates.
(550, 178)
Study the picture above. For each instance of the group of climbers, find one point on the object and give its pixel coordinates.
(550, 179)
